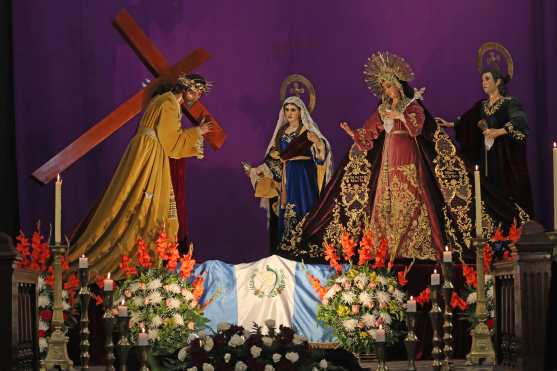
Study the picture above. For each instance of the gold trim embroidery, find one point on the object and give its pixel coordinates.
(413, 120)
(516, 134)
(491, 110)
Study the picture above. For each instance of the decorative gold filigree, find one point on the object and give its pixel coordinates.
(455, 186)
(516, 134)
(490, 110)
(384, 66)
(400, 214)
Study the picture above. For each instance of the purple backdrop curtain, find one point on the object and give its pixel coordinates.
(72, 68)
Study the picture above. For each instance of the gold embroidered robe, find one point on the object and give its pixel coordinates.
(139, 200)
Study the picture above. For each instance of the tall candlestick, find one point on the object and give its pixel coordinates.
(122, 309)
(435, 278)
(108, 283)
(555, 186)
(478, 199)
(447, 255)
(58, 210)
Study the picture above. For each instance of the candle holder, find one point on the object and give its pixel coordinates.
(411, 340)
(84, 296)
(447, 314)
(435, 314)
(57, 342)
(481, 352)
(143, 357)
(108, 321)
(123, 346)
(380, 349)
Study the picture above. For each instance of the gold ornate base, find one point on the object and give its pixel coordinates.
(57, 352)
(482, 352)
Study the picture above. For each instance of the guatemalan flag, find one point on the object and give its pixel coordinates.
(270, 288)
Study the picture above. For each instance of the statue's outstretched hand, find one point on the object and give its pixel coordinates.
(344, 126)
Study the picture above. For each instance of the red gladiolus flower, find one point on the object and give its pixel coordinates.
(125, 266)
(332, 257)
(423, 297)
(72, 283)
(380, 258)
(457, 301)
(98, 299)
(143, 257)
(402, 281)
(187, 264)
(514, 233)
(172, 257)
(470, 275)
(348, 245)
(498, 236)
(42, 333)
(198, 287)
(22, 249)
(316, 284)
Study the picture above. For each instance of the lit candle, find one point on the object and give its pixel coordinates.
(108, 283)
(58, 210)
(380, 334)
(142, 338)
(478, 198)
(411, 305)
(554, 186)
(447, 255)
(122, 309)
(435, 278)
(83, 262)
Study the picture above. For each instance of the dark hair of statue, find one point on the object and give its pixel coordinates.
(498, 75)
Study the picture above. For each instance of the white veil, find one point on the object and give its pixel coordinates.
(308, 124)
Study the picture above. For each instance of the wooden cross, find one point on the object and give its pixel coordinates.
(155, 61)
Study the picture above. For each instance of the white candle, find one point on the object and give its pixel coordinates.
(478, 198)
(143, 338)
(554, 186)
(380, 335)
(411, 305)
(83, 262)
(58, 210)
(122, 309)
(108, 283)
(447, 255)
(435, 278)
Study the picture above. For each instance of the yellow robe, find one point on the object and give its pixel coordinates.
(140, 200)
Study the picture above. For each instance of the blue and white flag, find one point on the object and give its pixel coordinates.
(270, 288)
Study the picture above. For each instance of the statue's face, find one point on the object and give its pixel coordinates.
(191, 96)
(391, 90)
(292, 113)
(489, 84)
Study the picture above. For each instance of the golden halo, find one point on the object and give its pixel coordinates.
(494, 51)
(299, 85)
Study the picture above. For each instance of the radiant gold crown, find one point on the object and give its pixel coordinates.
(203, 87)
(384, 66)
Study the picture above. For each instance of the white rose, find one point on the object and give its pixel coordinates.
(235, 340)
(276, 357)
(223, 326)
(270, 323)
(269, 368)
(323, 364)
(267, 341)
(43, 344)
(255, 351)
(194, 368)
(227, 357)
(208, 367)
(292, 357)
(208, 344)
(240, 366)
(182, 354)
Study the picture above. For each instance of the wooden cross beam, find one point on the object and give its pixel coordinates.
(157, 64)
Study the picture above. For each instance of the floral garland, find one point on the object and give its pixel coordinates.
(265, 348)
(361, 296)
(37, 255)
(160, 301)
